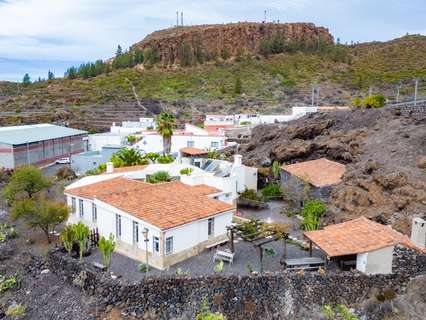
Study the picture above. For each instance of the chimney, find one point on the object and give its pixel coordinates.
(109, 167)
(418, 232)
(238, 160)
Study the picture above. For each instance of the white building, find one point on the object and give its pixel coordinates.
(181, 220)
(131, 127)
(418, 232)
(368, 244)
(191, 136)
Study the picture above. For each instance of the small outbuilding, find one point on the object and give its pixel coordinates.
(311, 179)
(361, 243)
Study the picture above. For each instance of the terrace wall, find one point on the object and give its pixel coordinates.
(283, 295)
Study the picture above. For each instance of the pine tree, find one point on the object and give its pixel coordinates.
(50, 75)
(119, 51)
(71, 73)
(26, 80)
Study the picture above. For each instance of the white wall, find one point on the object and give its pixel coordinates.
(375, 262)
(418, 232)
(97, 141)
(215, 120)
(198, 232)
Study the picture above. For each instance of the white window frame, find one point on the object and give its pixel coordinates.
(214, 144)
(135, 228)
(155, 244)
(168, 250)
(118, 226)
(81, 208)
(190, 143)
(94, 213)
(210, 227)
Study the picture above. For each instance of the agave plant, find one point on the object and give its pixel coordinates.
(81, 234)
(106, 246)
(68, 237)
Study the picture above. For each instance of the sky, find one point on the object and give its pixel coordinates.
(38, 35)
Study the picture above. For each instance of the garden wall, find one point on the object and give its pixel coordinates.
(269, 296)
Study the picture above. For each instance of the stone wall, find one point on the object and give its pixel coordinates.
(283, 295)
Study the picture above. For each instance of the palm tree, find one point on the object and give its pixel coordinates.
(166, 123)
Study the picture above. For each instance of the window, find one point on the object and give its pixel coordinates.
(169, 246)
(215, 144)
(155, 244)
(190, 143)
(210, 231)
(117, 225)
(135, 232)
(81, 208)
(73, 205)
(94, 213)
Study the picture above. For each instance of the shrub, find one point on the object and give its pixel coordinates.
(15, 311)
(272, 190)
(213, 154)
(245, 123)
(68, 237)
(159, 176)
(276, 169)
(65, 173)
(152, 156)
(127, 157)
(312, 211)
(218, 266)
(251, 194)
(186, 171)
(131, 139)
(143, 267)
(165, 158)
(374, 101)
(107, 248)
(8, 283)
(206, 314)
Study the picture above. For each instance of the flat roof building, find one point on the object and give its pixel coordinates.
(38, 144)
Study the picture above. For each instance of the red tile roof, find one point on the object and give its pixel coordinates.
(193, 151)
(356, 236)
(321, 172)
(129, 169)
(165, 205)
(205, 189)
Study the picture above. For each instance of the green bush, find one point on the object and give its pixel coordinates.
(251, 194)
(81, 234)
(143, 267)
(106, 246)
(373, 101)
(186, 171)
(206, 314)
(159, 176)
(165, 159)
(8, 283)
(312, 211)
(15, 311)
(152, 156)
(68, 237)
(272, 190)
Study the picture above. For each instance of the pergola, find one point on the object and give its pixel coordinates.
(262, 234)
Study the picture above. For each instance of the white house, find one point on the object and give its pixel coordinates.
(367, 243)
(131, 127)
(180, 220)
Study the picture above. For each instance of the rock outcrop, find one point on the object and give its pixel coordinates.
(226, 40)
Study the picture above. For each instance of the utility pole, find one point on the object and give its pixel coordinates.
(177, 19)
(397, 92)
(181, 18)
(416, 85)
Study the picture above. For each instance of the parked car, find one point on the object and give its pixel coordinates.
(63, 161)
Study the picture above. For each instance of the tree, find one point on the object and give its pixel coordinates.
(166, 123)
(159, 176)
(68, 237)
(71, 73)
(119, 51)
(276, 169)
(238, 86)
(81, 232)
(50, 75)
(26, 80)
(41, 213)
(25, 182)
(128, 157)
(107, 248)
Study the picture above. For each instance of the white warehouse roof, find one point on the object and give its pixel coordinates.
(33, 133)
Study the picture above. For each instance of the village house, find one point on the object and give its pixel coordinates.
(360, 243)
(178, 220)
(311, 179)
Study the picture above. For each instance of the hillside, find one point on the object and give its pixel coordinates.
(270, 84)
(384, 153)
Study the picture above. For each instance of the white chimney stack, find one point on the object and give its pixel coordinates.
(238, 160)
(418, 232)
(109, 167)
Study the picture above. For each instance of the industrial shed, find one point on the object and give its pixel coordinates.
(38, 144)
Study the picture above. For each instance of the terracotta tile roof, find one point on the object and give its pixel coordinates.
(321, 172)
(128, 169)
(205, 189)
(165, 205)
(356, 236)
(193, 151)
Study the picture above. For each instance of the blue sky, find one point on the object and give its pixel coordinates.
(38, 35)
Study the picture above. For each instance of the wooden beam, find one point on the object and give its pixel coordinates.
(310, 248)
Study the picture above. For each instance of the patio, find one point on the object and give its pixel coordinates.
(245, 255)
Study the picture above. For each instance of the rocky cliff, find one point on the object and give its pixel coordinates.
(226, 40)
